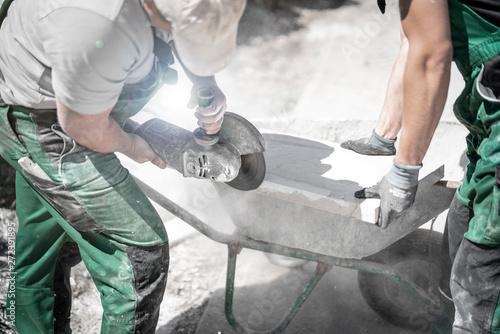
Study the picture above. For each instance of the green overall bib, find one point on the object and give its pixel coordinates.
(474, 42)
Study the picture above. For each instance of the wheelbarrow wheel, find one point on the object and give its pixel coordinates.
(418, 257)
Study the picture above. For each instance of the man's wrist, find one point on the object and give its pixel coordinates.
(126, 143)
(403, 176)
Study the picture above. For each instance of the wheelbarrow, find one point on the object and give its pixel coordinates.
(305, 209)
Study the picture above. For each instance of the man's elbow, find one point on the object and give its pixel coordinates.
(82, 132)
(77, 133)
(86, 130)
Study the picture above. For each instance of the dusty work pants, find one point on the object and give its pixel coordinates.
(475, 277)
(67, 193)
(475, 282)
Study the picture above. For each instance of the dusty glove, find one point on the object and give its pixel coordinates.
(396, 190)
(373, 145)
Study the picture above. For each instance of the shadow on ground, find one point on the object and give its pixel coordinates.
(335, 305)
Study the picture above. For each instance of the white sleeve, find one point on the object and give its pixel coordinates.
(90, 59)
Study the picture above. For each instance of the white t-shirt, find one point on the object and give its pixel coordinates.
(82, 51)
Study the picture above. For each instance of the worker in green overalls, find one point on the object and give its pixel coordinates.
(475, 279)
(71, 75)
(473, 222)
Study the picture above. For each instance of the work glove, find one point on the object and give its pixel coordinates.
(396, 192)
(373, 145)
(209, 111)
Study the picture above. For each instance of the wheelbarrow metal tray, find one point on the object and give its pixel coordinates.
(307, 200)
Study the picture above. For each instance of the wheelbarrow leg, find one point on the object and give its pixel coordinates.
(233, 251)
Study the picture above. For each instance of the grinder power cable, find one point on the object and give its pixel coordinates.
(234, 155)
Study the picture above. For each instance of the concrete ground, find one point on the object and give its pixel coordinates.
(266, 292)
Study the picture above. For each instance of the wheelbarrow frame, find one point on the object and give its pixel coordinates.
(236, 242)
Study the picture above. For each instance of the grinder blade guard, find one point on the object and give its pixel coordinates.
(237, 158)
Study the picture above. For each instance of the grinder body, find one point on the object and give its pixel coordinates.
(236, 158)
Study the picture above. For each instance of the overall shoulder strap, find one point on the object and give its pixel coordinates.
(3, 10)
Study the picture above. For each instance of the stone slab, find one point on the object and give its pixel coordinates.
(325, 176)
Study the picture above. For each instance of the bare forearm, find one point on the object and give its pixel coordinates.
(390, 119)
(425, 91)
(427, 75)
(101, 133)
(104, 135)
(106, 138)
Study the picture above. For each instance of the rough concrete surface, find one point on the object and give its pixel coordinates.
(314, 69)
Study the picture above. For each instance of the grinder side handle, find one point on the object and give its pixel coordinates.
(205, 96)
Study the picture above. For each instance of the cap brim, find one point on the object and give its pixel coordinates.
(205, 60)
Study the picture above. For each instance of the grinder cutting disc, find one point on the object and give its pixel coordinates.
(251, 174)
(244, 136)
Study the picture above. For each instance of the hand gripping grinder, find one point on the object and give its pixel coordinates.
(234, 155)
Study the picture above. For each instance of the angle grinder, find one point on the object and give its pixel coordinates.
(234, 155)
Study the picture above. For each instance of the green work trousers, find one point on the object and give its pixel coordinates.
(475, 277)
(69, 194)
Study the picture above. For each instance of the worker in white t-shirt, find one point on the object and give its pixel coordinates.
(71, 74)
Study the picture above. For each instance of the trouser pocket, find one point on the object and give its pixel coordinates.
(457, 221)
(475, 286)
(10, 144)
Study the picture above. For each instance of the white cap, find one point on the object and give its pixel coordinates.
(204, 31)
